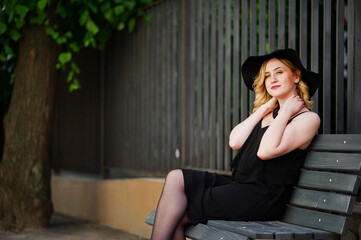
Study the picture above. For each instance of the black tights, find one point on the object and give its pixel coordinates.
(171, 219)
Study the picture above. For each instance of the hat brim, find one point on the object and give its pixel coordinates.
(252, 65)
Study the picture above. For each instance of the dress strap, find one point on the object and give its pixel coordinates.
(296, 116)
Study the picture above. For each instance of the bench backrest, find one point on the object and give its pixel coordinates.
(325, 195)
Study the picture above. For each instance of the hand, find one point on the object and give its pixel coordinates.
(270, 105)
(293, 105)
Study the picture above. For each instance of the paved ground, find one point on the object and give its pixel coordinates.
(67, 228)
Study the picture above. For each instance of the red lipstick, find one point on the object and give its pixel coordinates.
(275, 87)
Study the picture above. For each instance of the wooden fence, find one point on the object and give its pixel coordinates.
(171, 92)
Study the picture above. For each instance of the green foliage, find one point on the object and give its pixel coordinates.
(81, 24)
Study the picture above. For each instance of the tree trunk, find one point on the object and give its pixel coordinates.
(25, 198)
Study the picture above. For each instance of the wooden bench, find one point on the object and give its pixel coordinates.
(321, 204)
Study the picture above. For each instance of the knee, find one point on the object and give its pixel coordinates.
(175, 179)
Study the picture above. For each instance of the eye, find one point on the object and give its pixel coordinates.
(279, 72)
(266, 76)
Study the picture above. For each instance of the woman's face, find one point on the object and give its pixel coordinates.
(280, 81)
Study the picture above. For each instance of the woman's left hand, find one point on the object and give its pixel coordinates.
(293, 105)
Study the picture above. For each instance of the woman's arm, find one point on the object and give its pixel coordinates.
(281, 138)
(240, 133)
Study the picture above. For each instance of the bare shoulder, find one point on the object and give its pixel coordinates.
(309, 118)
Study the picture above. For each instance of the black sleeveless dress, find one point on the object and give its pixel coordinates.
(257, 190)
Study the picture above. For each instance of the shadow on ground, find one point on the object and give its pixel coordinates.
(67, 228)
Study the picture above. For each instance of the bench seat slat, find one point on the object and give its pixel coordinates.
(323, 200)
(270, 230)
(337, 142)
(320, 220)
(249, 229)
(339, 182)
(201, 231)
(333, 161)
(206, 232)
(301, 232)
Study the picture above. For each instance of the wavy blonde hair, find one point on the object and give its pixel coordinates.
(262, 96)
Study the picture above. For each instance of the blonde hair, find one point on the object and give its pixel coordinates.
(262, 96)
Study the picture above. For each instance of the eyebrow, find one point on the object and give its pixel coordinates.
(274, 69)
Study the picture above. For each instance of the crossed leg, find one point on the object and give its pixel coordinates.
(171, 220)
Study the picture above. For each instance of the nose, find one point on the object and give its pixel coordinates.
(273, 78)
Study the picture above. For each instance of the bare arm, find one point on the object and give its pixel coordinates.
(281, 138)
(240, 133)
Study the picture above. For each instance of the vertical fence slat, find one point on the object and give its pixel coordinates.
(253, 41)
(357, 96)
(206, 86)
(236, 67)
(303, 32)
(350, 62)
(339, 66)
(191, 91)
(175, 86)
(281, 24)
(220, 87)
(228, 57)
(315, 46)
(199, 143)
(271, 25)
(168, 133)
(213, 77)
(292, 24)
(244, 51)
(262, 27)
(327, 67)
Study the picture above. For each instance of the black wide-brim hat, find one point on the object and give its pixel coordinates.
(252, 65)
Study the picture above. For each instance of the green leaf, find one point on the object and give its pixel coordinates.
(93, 8)
(121, 26)
(8, 50)
(74, 85)
(21, 10)
(74, 47)
(84, 17)
(15, 35)
(62, 12)
(148, 17)
(61, 40)
(39, 19)
(51, 32)
(118, 1)
(88, 39)
(68, 34)
(12, 78)
(105, 6)
(2, 57)
(3, 27)
(64, 57)
(109, 15)
(75, 68)
(42, 4)
(19, 22)
(130, 4)
(131, 24)
(119, 9)
(70, 76)
(92, 27)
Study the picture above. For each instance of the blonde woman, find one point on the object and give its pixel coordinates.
(271, 144)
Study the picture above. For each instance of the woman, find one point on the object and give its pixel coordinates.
(272, 145)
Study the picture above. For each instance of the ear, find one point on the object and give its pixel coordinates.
(297, 76)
